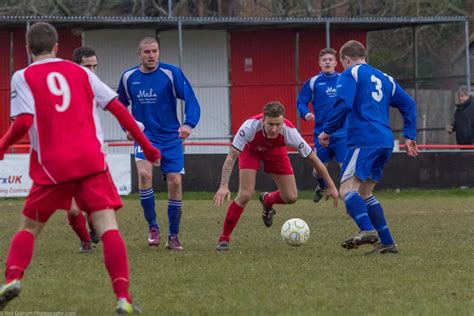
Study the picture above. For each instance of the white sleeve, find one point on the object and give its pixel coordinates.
(294, 139)
(103, 94)
(245, 134)
(21, 97)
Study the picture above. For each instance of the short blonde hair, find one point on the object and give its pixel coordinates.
(147, 40)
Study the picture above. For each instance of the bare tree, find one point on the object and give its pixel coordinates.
(93, 7)
(282, 8)
(62, 8)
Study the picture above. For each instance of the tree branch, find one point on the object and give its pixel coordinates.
(456, 9)
(159, 8)
(335, 6)
(135, 7)
(62, 7)
(94, 7)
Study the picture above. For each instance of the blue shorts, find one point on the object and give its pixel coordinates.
(365, 163)
(337, 148)
(172, 156)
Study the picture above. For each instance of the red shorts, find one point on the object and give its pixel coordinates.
(92, 193)
(272, 163)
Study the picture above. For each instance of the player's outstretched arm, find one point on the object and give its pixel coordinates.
(223, 192)
(323, 171)
(127, 133)
(17, 130)
(128, 122)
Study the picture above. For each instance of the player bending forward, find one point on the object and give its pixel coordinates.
(264, 137)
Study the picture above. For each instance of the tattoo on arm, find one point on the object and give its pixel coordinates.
(228, 166)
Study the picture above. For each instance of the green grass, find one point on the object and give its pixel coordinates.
(432, 275)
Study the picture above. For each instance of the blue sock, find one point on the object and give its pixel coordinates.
(147, 199)
(375, 211)
(357, 210)
(174, 216)
(322, 183)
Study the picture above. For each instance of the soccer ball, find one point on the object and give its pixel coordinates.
(295, 232)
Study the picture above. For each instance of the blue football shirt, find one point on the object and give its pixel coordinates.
(364, 93)
(153, 97)
(320, 90)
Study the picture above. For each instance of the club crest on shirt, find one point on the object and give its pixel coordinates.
(145, 96)
(331, 92)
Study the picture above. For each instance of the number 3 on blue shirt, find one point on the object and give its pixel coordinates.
(378, 94)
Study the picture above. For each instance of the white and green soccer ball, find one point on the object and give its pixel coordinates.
(295, 232)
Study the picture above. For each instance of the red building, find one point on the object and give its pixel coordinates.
(272, 64)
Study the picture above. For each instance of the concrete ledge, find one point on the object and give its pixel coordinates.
(443, 169)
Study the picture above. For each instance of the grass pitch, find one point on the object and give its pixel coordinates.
(432, 275)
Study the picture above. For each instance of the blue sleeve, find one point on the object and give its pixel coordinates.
(304, 97)
(184, 91)
(122, 93)
(346, 88)
(407, 107)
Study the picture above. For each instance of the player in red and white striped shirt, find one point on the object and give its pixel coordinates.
(53, 99)
(264, 138)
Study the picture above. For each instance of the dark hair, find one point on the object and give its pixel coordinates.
(41, 38)
(273, 109)
(327, 51)
(80, 52)
(353, 49)
(147, 40)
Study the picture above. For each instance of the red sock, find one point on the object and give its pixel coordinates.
(19, 255)
(231, 219)
(78, 224)
(116, 262)
(273, 198)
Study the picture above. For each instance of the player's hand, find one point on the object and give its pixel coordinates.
(309, 117)
(184, 131)
(140, 126)
(449, 129)
(221, 194)
(332, 192)
(323, 139)
(153, 155)
(411, 148)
